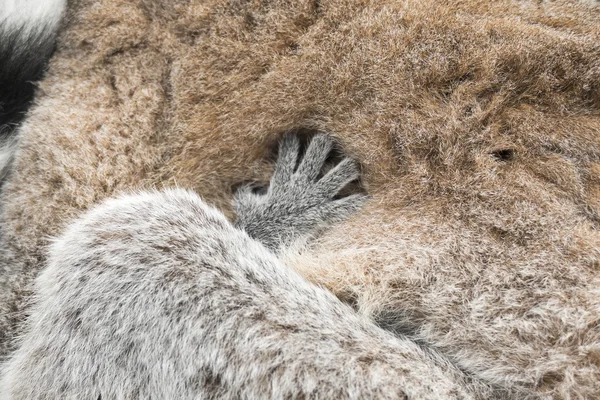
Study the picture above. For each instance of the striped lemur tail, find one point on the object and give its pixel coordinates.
(27, 38)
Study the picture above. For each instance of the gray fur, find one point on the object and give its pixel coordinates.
(156, 295)
(297, 204)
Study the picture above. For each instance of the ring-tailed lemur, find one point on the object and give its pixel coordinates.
(27, 38)
(158, 296)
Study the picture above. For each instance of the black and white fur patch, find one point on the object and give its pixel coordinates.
(27, 39)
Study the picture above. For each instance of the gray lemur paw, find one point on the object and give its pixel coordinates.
(298, 202)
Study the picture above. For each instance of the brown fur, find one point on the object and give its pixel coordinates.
(477, 123)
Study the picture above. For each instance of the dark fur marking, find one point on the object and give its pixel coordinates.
(24, 55)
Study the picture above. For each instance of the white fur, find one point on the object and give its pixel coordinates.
(6, 153)
(31, 14)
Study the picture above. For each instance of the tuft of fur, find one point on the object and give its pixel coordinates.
(27, 38)
(476, 124)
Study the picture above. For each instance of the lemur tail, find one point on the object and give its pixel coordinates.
(27, 39)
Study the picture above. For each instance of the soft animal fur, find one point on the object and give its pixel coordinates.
(194, 308)
(27, 38)
(293, 207)
(476, 123)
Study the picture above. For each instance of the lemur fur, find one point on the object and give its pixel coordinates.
(157, 295)
(28, 31)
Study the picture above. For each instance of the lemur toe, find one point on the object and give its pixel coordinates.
(316, 154)
(289, 150)
(339, 176)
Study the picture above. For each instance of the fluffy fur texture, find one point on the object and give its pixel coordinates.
(157, 295)
(193, 308)
(27, 38)
(476, 123)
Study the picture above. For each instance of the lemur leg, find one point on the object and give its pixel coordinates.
(157, 295)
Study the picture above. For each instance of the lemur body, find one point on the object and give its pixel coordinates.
(481, 154)
(195, 306)
(157, 295)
